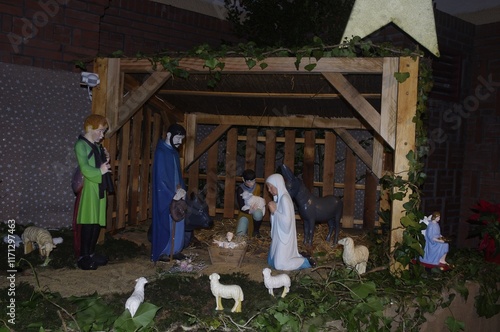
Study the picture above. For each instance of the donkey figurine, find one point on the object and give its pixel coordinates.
(313, 209)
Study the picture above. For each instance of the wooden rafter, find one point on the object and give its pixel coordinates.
(360, 104)
(137, 98)
(206, 144)
(355, 146)
(173, 114)
(310, 96)
(308, 121)
(274, 65)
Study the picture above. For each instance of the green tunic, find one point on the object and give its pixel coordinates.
(92, 209)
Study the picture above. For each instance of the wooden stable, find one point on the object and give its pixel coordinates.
(127, 96)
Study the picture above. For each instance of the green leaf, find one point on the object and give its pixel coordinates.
(310, 66)
(363, 290)
(401, 77)
(143, 317)
(397, 196)
(263, 65)
(406, 221)
(251, 63)
(211, 63)
(297, 61)
(454, 325)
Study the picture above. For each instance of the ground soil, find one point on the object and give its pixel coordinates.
(119, 276)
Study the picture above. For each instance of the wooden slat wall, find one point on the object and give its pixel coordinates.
(132, 202)
(132, 149)
(271, 141)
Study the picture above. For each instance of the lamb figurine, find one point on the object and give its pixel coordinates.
(42, 238)
(281, 280)
(253, 201)
(137, 297)
(354, 256)
(221, 291)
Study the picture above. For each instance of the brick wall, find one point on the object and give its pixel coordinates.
(481, 107)
(54, 33)
(446, 127)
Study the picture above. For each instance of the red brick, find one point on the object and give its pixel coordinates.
(83, 51)
(11, 9)
(76, 23)
(91, 18)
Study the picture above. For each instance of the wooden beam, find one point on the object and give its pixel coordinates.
(378, 156)
(281, 122)
(138, 97)
(329, 163)
(309, 96)
(210, 140)
(405, 142)
(289, 153)
(176, 115)
(269, 163)
(274, 65)
(388, 109)
(355, 146)
(360, 104)
(134, 168)
(145, 174)
(212, 188)
(309, 154)
(230, 182)
(251, 148)
(370, 201)
(349, 189)
(190, 140)
(106, 96)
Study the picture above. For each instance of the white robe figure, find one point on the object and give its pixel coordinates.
(284, 253)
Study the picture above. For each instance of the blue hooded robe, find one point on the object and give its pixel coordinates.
(166, 176)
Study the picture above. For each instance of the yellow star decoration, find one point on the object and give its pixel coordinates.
(415, 17)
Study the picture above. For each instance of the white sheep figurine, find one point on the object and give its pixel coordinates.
(354, 256)
(137, 297)
(221, 291)
(253, 201)
(281, 280)
(42, 238)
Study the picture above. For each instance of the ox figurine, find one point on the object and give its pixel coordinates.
(313, 209)
(196, 217)
(197, 214)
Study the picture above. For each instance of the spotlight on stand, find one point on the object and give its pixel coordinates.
(90, 80)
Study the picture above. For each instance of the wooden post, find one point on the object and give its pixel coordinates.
(329, 163)
(230, 183)
(405, 142)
